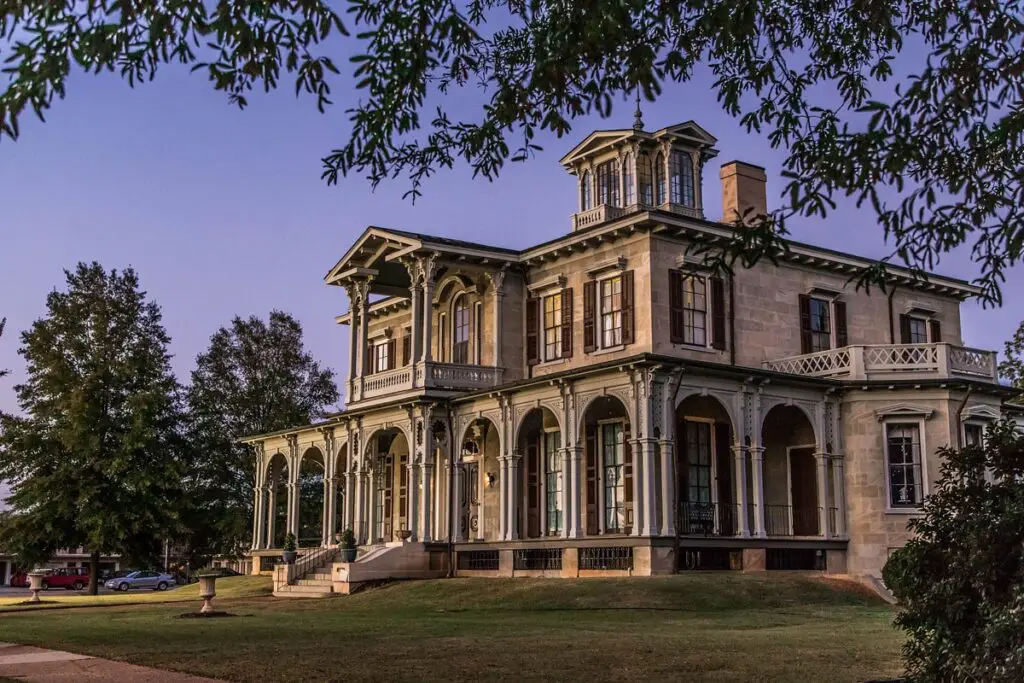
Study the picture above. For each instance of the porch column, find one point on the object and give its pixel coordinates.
(412, 475)
(258, 514)
(291, 523)
(740, 468)
(371, 506)
(456, 500)
(574, 523)
(668, 490)
(427, 473)
(821, 464)
(353, 342)
(757, 465)
(416, 327)
(358, 518)
(332, 514)
(428, 316)
(503, 497)
(498, 285)
(513, 492)
(649, 499)
(638, 489)
(347, 520)
(839, 494)
(271, 517)
(327, 513)
(567, 502)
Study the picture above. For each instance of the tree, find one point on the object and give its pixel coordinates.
(3, 324)
(255, 377)
(1012, 367)
(94, 460)
(960, 580)
(938, 155)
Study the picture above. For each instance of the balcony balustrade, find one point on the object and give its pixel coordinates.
(892, 361)
(441, 376)
(607, 212)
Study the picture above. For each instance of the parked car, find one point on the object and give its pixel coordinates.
(141, 579)
(19, 580)
(71, 578)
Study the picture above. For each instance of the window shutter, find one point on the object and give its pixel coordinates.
(717, 313)
(532, 336)
(392, 356)
(407, 348)
(369, 359)
(904, 329)
(675, 306)
(627, 307)
(839, 310)
(936, 331)
(589, 313)
(805, 324)
(567, 322)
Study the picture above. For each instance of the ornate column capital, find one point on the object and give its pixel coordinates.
(497, 280)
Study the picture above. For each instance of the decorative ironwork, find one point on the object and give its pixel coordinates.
(616, 558)
(478, 560)
(546, 559)
(707, 519)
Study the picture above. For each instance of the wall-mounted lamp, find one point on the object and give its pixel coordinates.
(490, 479)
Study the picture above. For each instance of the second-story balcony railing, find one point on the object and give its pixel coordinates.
(608, 212)
(892, 361)
(442, 376)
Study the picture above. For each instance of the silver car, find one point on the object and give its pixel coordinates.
(141, 579)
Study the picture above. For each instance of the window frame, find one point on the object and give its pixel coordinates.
(709, 424)
(555, 476)
(921, 485)
(601, 312)
(707, 312)
(681, 185)
(628, 174)
(460, 347)
(381, 360)
(586, 192)
(555, 329)
(620, 469)
(831, 319)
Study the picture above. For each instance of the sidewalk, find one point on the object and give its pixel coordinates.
(34, 664)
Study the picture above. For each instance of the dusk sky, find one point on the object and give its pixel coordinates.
(222, 212)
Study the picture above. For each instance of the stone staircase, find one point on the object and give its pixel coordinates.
(308, 578)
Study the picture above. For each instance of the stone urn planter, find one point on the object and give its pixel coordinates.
(207, 591)
(35, 584)
(347, 545)
(291, 548)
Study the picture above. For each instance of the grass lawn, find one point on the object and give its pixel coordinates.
(707, 627)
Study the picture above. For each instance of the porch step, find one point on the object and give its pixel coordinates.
(323, 583)
(301, 591)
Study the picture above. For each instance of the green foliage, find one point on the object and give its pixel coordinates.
(255, 377)
(3, 324)
(94, 460)
(937, 154)
(290, 543)
(347, 539)
(960, 580)
(1012, 367)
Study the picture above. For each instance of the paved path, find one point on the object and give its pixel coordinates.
(36, 665)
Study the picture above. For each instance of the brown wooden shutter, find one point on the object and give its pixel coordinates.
(589, 315)
(392, 355)
(842, 337)
(904, 329)
(677, 334)
(567, 322)
(936, 331)
(717, 313)
(407, 348)
(532, 333)
(805, 324)
(627, 307)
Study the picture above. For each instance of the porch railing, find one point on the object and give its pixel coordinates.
(891, 361)
(707, 519)
(787, 520)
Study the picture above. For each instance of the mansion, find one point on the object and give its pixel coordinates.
(602, 403)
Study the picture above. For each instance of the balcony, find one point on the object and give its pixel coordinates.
(606, 212)
(450, 377)
(892, 362)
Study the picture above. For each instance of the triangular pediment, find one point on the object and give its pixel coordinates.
(593, 142)
(692, 131)
(982, 412)
(369, 250)
(898, 410)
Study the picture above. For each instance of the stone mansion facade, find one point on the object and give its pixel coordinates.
(602, 402)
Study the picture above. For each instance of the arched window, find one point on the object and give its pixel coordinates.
(586, 201)
(460, 330)
(627, 180)
(608, 183)
(643, 173)
(681, 179)
(659, 179)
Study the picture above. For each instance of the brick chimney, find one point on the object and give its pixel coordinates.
(743, 187)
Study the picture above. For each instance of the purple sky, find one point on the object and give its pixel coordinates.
(223, 212)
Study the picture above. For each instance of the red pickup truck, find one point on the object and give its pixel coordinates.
(72, 578)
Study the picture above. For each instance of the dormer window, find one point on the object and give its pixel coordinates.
(608, 183)
(586, 201)
(643, 171)
(627, 180)
(681, 179)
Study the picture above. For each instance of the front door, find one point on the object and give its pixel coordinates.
(804, 491)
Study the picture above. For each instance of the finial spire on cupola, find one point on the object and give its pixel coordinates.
(638, 120)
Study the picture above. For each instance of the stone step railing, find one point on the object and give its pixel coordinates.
(892, 361)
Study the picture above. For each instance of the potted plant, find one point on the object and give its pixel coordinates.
(290, 548)
(347, 542)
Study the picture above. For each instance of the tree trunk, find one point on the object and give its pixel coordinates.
(94, 573)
